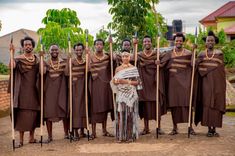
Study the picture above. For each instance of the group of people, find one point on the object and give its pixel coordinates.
(127, 95)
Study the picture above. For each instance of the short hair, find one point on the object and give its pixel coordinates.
(99, 39)
(179, 34)
(147, 36)
(25, 39)
(79, 44)
(126, 40)
(211, 33)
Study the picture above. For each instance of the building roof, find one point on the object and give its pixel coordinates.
(227, 10)
(17, 36)
(230, 30)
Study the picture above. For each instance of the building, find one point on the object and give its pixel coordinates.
(17, 36)
(222, 18)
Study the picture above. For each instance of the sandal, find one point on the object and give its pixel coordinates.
(209, 134)
(160, 131)
(66, 137)
(92, 137)
(19, 145)
(216, 134)
(46, 141)
(33, 141)
(107, 134)
(173, 132)
(192, 132)
(145, 132)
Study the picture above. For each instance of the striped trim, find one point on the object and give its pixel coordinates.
(209, 64)
(54, 75)
(98, 68)
(27, 66)
(202, 69)
(173, 70)
(78, 73)
(99, 63)
(182, 60)
(77, 68)
(179, 65)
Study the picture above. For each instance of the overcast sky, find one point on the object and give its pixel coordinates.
(93, 14)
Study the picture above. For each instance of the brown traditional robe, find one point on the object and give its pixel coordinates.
(210, 104)
(55, 93)
(78, 85)
(100, 91)
(147, 96)
(25, 98)
(178, 71)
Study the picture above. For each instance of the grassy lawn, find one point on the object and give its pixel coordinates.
(4, 77)
(232, 114)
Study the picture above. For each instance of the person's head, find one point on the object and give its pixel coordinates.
(179, 39)
(126, 45)
(126, 57)
(78, 49)
(99, 45)
(54, 51)
(27, 44)
(211, 40)
(147, 42)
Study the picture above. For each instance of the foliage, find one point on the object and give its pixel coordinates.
(3, 69)
(229, 54)
(59, 26)
(130, 16)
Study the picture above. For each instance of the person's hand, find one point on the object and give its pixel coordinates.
(41, 53)
(194, 46)
(110, 39)
(12, 48)
(135, 41)
(157, 62)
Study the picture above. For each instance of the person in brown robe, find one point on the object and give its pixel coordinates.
(147, 60)
(55, 92)
(101, 102)
(211, 88)
(25, 93)
(78, 85)
(178, 70)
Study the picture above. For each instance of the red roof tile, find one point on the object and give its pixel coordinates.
(227, 10)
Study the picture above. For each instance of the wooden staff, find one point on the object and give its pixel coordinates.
(136, 48)
(70, 91)
(191, 88)
(12, 100)
(111, 63)
(157, 87)
(41, 68)
(86, 88)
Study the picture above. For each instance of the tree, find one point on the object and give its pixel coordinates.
(59, 25)
(130, 16)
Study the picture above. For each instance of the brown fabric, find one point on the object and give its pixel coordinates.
(178, 73)
(25, 98)
(147, 110)
(210, 105)
(26, 120)
(100, 91)
(147, 96)
(55, 93)
(79, 106)
(180, 114)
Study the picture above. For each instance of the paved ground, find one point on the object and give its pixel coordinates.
(178, 145)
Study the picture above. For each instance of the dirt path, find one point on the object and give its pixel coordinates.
(179, 145)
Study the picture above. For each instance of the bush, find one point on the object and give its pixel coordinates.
(3, 69)
(229, 54)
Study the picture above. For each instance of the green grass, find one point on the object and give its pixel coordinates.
(4, 113)
(231, 114)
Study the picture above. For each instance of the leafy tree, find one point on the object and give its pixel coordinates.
(59, 26)
(130, 16)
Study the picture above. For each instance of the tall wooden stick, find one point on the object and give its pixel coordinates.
(12, 100)
(157, 87)
(136, 49)
(70, 91)
(191, 88)
(111, 63)
(86, 88)
(41, 68)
